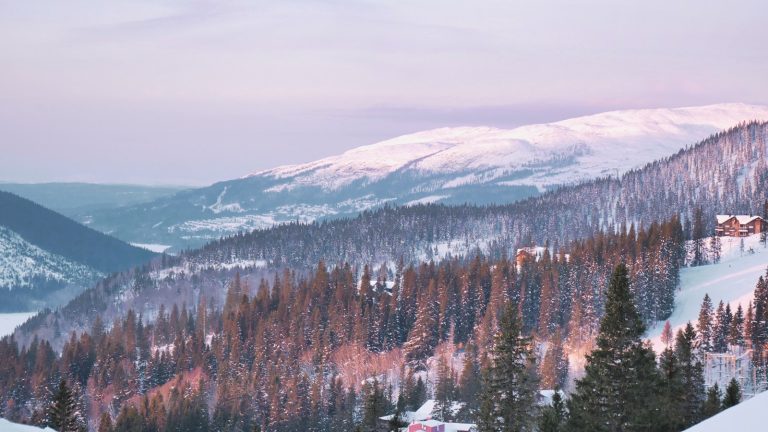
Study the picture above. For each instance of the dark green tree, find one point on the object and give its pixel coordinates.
(64, 414)
(509, 393)
(713, 404)
(618, 391)
(553, 417)
(732, 394)
(691, 374)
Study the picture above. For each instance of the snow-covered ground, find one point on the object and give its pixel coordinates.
(598, 144)
(732, 280)
(746, 416)
(157, 248)
(6, 426)
(21, 262)
(9, 322)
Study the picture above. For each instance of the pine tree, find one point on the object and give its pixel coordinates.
(64, 414)
(618, 390)
(736, 332)
(105, 423)
(554, 417)
(705, 325)
(444, 391)
(470, 382)
(554, 366)
(713, 403)
(672, 393)
(732, 394)
(666, 334)
(692, 375)
(510, 381)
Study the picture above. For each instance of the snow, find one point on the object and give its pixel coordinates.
(427, 200)
(742, 219)
(591, 146)
(9, 321)
(152, 247)
(732, 280)
(6, 426)
(746, 416)
(21, 261)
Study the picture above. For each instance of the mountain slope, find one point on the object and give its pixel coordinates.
(60, 235)
(46, 258)
(477, 165)
(726, 173)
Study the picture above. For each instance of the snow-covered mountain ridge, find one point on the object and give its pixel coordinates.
(21, 263)
(589, 146)
(476, 165)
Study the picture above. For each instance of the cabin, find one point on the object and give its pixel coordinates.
(427, 426)
(532, 253)
(421, 421)
(739, 225)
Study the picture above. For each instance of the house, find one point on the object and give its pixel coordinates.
(421, 421)
(531, 253)
(739, 225)
(427, 426)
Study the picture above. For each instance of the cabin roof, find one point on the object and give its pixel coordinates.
(742, 219)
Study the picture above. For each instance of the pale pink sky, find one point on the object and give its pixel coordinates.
(180, 91)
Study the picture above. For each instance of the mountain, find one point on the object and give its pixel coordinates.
(476, 165)
(726, 173)
(73, 199)
(46, 258)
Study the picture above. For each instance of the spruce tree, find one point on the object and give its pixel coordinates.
(64, 415)
(732, 394)
(705, 324)
(509, 393)
(618, 391)
(713, 404)
(444, 391)
(553, 417)
(692, 375)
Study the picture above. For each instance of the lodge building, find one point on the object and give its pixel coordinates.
(739, 225)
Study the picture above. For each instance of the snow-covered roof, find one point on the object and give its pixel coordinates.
(743, 219)
(422, 414)
(7, 426)
(746, 416)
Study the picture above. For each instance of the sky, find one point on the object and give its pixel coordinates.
(194, 91)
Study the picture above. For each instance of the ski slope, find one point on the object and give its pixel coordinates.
(6, 426)
(732, 280)
(746, 416)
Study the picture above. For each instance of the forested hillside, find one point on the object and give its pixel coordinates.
(47, 259)
(265, 357)
(261, 322)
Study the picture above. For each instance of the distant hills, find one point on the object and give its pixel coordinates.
(475, 165)
(47, 258)
(73, 199)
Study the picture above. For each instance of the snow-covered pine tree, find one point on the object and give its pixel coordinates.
(509, 387)
(64, 413)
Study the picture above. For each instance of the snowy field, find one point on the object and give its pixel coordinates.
(157, 248)
(9, 322)
(746, 416)
(6, 426)
(732, 280)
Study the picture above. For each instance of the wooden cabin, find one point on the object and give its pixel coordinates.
(739, 225)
